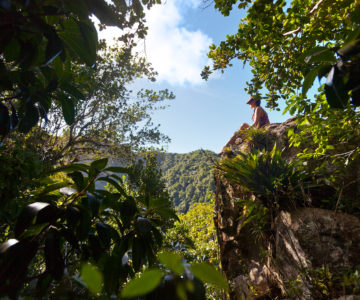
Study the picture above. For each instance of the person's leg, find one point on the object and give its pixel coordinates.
(244, 126)
(234, 137)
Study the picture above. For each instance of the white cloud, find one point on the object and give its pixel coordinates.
(176, 53)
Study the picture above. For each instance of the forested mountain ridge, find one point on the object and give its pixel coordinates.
(188, 177)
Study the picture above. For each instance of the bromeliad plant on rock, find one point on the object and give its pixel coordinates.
(263, 173)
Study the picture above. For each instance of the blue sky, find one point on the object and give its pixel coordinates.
(204, 115)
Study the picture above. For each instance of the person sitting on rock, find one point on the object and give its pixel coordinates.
(260, 119)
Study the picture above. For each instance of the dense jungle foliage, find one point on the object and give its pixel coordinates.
(189, 177)
(63, 97)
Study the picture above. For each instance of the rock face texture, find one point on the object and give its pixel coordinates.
(302, 249)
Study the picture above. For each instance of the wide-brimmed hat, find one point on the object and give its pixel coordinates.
(252, 99)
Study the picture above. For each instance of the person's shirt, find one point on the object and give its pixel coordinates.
(260, 117)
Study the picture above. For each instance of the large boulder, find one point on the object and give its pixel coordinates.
(303, 248)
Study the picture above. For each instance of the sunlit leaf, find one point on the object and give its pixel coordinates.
(208, 274)
(92, 277)
(147, 282)
(172, 261)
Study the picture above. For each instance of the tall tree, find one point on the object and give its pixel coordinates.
(38, 42)
(111, 118)
(287, 44)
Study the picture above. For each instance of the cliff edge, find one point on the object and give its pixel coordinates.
(285, 248)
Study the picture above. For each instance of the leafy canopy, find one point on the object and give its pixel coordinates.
(39, 40)
(287, 45)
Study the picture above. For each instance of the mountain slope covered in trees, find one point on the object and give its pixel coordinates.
(188, 177)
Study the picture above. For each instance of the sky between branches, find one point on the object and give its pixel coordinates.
(204, 115)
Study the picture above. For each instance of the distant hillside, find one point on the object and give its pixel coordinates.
(188, 176)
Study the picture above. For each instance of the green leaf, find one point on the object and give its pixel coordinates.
(317, 54)
(68, 108)
(113, 183)
(118, 170)
(78, 179)
(33, 230)
(336, 95)
(166, 213)
(104, 12)
(147, 282)
(172, 261)
(350, 49)
(310, 77)
(78, 7)
(309, 80)
(73, 91)
(52, 187)
(89, 34)
(99, 164)
(27, 216)
(30, 119)
(92, 277)
(76, 38)
(71, 168)
(208, 274)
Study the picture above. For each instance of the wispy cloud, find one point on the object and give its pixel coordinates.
(176, 53)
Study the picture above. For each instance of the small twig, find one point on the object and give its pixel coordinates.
(312, 11)
(316, 7)
(339, 198)
(292, 31)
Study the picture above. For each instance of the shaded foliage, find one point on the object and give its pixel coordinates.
(40, 40)
(113, 232)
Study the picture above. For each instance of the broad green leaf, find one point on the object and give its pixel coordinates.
(172, 261)
(118, 169)
(309, 79)
(72, 90)
(147, 282)
(78, 7)
(92, 277)
(68, 108)
(336, 95)
(78, 179)
(350, 49)
(77, 41)
(71, 168)
(208, 274)
(28, 215)
(33, 230)
(322, 56)
(166, 212)
(99, 164)
(309, 54)
(113, 183)
(30, 119)
(103, 11)
(52, 187)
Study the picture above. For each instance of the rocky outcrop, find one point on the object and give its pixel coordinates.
(296, 254)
